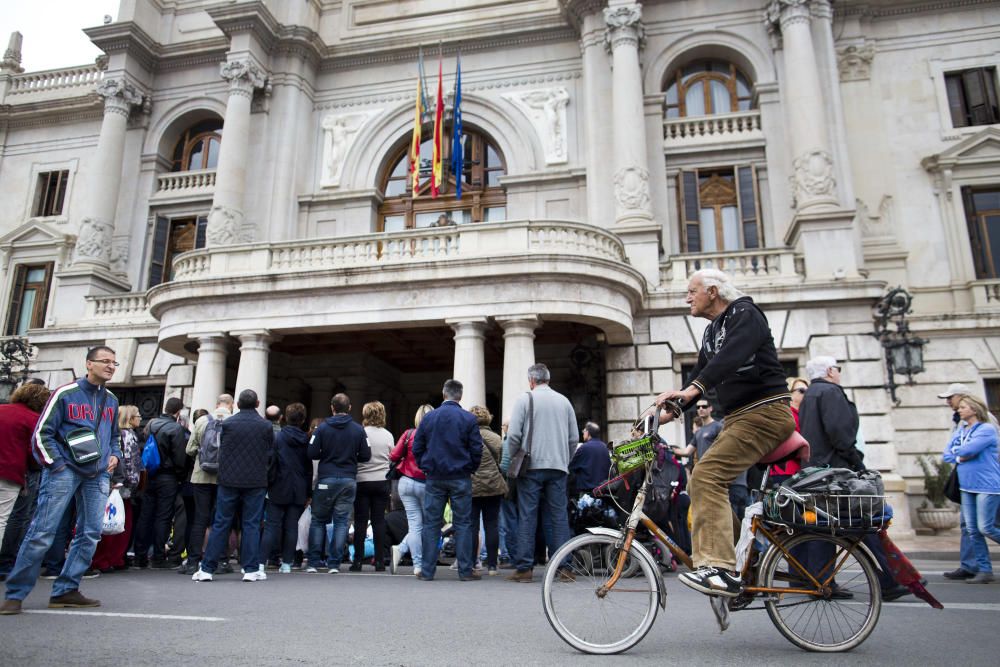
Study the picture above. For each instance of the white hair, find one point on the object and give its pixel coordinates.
(817, 367)
(719, 280)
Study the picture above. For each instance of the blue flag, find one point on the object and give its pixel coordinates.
(457, 150)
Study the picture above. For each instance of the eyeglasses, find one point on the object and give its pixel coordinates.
(106, 362)
(800, 390)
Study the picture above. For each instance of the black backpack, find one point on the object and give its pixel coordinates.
(208, 451)
(667, 481)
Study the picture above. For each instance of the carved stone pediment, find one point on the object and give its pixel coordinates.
(33, 234)
(979, 149)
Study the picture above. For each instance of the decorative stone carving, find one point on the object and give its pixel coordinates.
(546, 109)
(878, 225)
(119, 96)
(119, 255)
(224, 226)
(12, 56)
(624, 26)
(813, 178)
(632, 188)
(855, 61)
(93, 243)
(340, 131)
(243, 77)
(786, 12)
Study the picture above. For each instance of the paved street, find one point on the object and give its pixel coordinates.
(160, 618)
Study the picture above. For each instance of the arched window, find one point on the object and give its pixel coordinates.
(483, 200)
(706, 88)
(198, 147)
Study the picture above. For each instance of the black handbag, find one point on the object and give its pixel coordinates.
(952, 490)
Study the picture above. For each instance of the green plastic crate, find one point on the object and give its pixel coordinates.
(634, 454)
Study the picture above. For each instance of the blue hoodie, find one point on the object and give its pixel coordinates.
(339, 444)
(70, 407)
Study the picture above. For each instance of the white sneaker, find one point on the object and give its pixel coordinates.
(333, 570)
(311, 570)
(394, 559)
(201, 575)
(260, 567)
(285, 569)
(255, 576)
(416, 572)
(453, 566)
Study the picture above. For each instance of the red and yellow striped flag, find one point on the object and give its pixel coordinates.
(418, 118)
(437, 170)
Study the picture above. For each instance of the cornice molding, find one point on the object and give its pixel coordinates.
(252, 17)
(129, 38)
(867, 9)
(53, 112)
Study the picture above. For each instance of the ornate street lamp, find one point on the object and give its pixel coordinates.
(904, 353)
(15, 357)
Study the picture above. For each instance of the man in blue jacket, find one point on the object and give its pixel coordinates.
(339, 444)
(448, 448)
(80, 418)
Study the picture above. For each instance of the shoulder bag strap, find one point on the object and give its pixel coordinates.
(100, 412)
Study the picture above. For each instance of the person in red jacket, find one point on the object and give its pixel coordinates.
(17, 423)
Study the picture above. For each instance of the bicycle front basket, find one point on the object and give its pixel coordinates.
(634, 454)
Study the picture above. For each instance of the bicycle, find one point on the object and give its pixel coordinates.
(602, 590)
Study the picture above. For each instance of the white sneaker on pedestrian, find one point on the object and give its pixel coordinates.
(201, 575)
(285, 569)
(311, 570)
(260, 567)
(333, 570)
(453, 566)
(416, 572)
(394, 559)
(255, 576)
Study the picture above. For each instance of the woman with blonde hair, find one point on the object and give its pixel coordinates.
(411, 491)
(973, 448)
(372, 497)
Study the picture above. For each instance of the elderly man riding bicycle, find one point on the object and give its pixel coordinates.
(738, 360)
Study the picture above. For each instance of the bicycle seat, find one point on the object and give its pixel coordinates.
(795, 447)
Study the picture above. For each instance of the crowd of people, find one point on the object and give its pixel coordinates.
(272, 490)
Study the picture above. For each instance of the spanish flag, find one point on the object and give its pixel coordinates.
(418, 119)
(436, 165)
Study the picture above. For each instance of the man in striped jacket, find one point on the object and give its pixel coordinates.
(76, 440)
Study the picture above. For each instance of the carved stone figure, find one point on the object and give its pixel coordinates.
(93, 243)
(339, 134)
(223, 226)
(546, 109)
(119, 255)
(632, 188)
(813, 178)
(855, 62)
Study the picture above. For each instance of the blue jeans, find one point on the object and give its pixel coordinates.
(251, 503)
(436, 493)
(411, 492)
(281, 530)
(508, 529)
(333, 499)
(980, 513)
(54, 494)
(531, 488)
(970, 552)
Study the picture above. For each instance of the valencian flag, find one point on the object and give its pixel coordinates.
(415, 142)
(436, 162)
(457, 152)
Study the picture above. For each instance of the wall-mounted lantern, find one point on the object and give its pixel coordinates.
(904, 352)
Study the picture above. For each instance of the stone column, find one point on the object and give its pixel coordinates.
(320, 393)
(518, 355)
(812, 161)
(470, 359)
(93, 246)
(210, 374)
(631, 174)
(255, 347)
(226, 218)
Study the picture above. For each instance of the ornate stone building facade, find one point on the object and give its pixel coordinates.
(223, 198)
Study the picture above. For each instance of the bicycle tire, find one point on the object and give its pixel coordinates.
(822, 624)
(584, 620)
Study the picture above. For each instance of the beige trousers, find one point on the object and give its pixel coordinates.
(744, 440)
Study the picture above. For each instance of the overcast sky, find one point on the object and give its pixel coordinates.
(53, 30)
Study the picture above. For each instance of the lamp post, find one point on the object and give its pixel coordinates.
(15, 357)
(904, 353)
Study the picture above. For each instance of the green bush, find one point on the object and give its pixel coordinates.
(936, 474)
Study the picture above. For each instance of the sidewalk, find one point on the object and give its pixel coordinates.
(943, 546)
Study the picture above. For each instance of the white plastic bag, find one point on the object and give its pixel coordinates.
(303, 542)
(114, 515)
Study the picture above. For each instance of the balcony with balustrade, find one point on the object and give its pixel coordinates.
(184, 186)
(765, 266)
(729, 130)
(53, 84)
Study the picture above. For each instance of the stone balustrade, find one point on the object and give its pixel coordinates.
(765, 264)
(719, 128)
(182, 183)
(62, 80)
(986, 294)
(129, 307)
(415, 245)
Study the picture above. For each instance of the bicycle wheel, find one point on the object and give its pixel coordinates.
(823, 623)
(587, 621)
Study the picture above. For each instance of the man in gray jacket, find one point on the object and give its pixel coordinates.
(544, 424)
